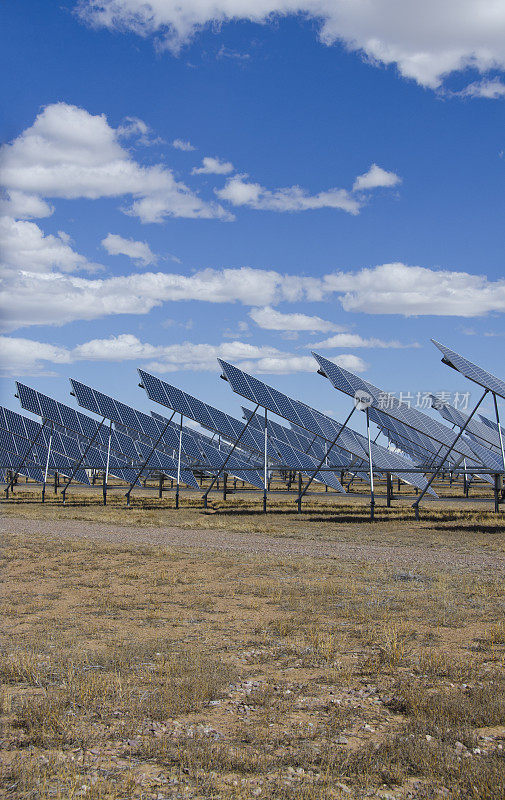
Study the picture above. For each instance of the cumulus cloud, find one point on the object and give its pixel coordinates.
(426, 41)
(140, 252)
(55, 298)
(240, 192)
(375, 177)
(488, 89)
(355, 340)
(25, 247)
(286, 366)
(410, 291)
(213, 166)
(184, 145)
(273, 320)
(25, 356)
(70, 153)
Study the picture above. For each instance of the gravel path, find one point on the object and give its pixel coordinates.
(472, 558)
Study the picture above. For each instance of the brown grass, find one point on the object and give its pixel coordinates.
(131, 671)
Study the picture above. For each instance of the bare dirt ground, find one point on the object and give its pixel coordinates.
(153, 654)
(471, 557)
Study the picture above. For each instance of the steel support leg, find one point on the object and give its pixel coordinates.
(372, 495)
(325, 455)
(223, 465)
(265, 466)
(47, 464)
(415, 505)
(179, 466)
(146, 462)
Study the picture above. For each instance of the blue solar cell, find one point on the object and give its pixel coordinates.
(471, 371)
(85, 396)
(28, 399)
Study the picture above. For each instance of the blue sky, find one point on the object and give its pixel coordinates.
(116, 241)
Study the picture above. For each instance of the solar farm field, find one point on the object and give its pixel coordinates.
(153, 653)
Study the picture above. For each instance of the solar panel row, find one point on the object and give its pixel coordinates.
(346, 382)
(303, 415)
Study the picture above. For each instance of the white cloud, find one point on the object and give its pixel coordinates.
(181, 144)
(410, 291)
(213, 166)
(291, 364)
(374, 178)
(140, 252)
(273, 320)
(24, 247)
(240, 192)
(25, 356)
(488, 89)
(19, 204)
(27, 298)
(32, 298)
(70, 153)
(426, 41)
(355, 340)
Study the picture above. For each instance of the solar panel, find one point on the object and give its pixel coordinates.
(457, 417)
(18, 447)
(488, 459)
(317, 423)
(115, 410)
(210, 417)
(304, 463)
(13, 463)
(206, 416)
(491, 424)
(69, 419)
(158, 460)
(348, 383)
(471, 371)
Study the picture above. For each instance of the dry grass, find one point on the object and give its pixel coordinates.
(141, 672)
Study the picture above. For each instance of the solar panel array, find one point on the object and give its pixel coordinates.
(470, 370)
(483, 432)
(207, 416)
(65, 451)
(347, 382)
(67, 418)
(129, 417)
(303, 415)
(252, 438)
(13, 463)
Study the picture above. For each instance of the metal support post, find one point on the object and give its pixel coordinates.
(223, 465)
(225, 481)
(499, 431)
(179, 466)
(415, 505)
(64, 490)
(146, 462)
(372, 495)
(47, 464)
(265, 466)
(497, 493)
(299, 498)
(56, 483)
(389, 489)
(106, 476)
(300, 494)
(160, 486)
